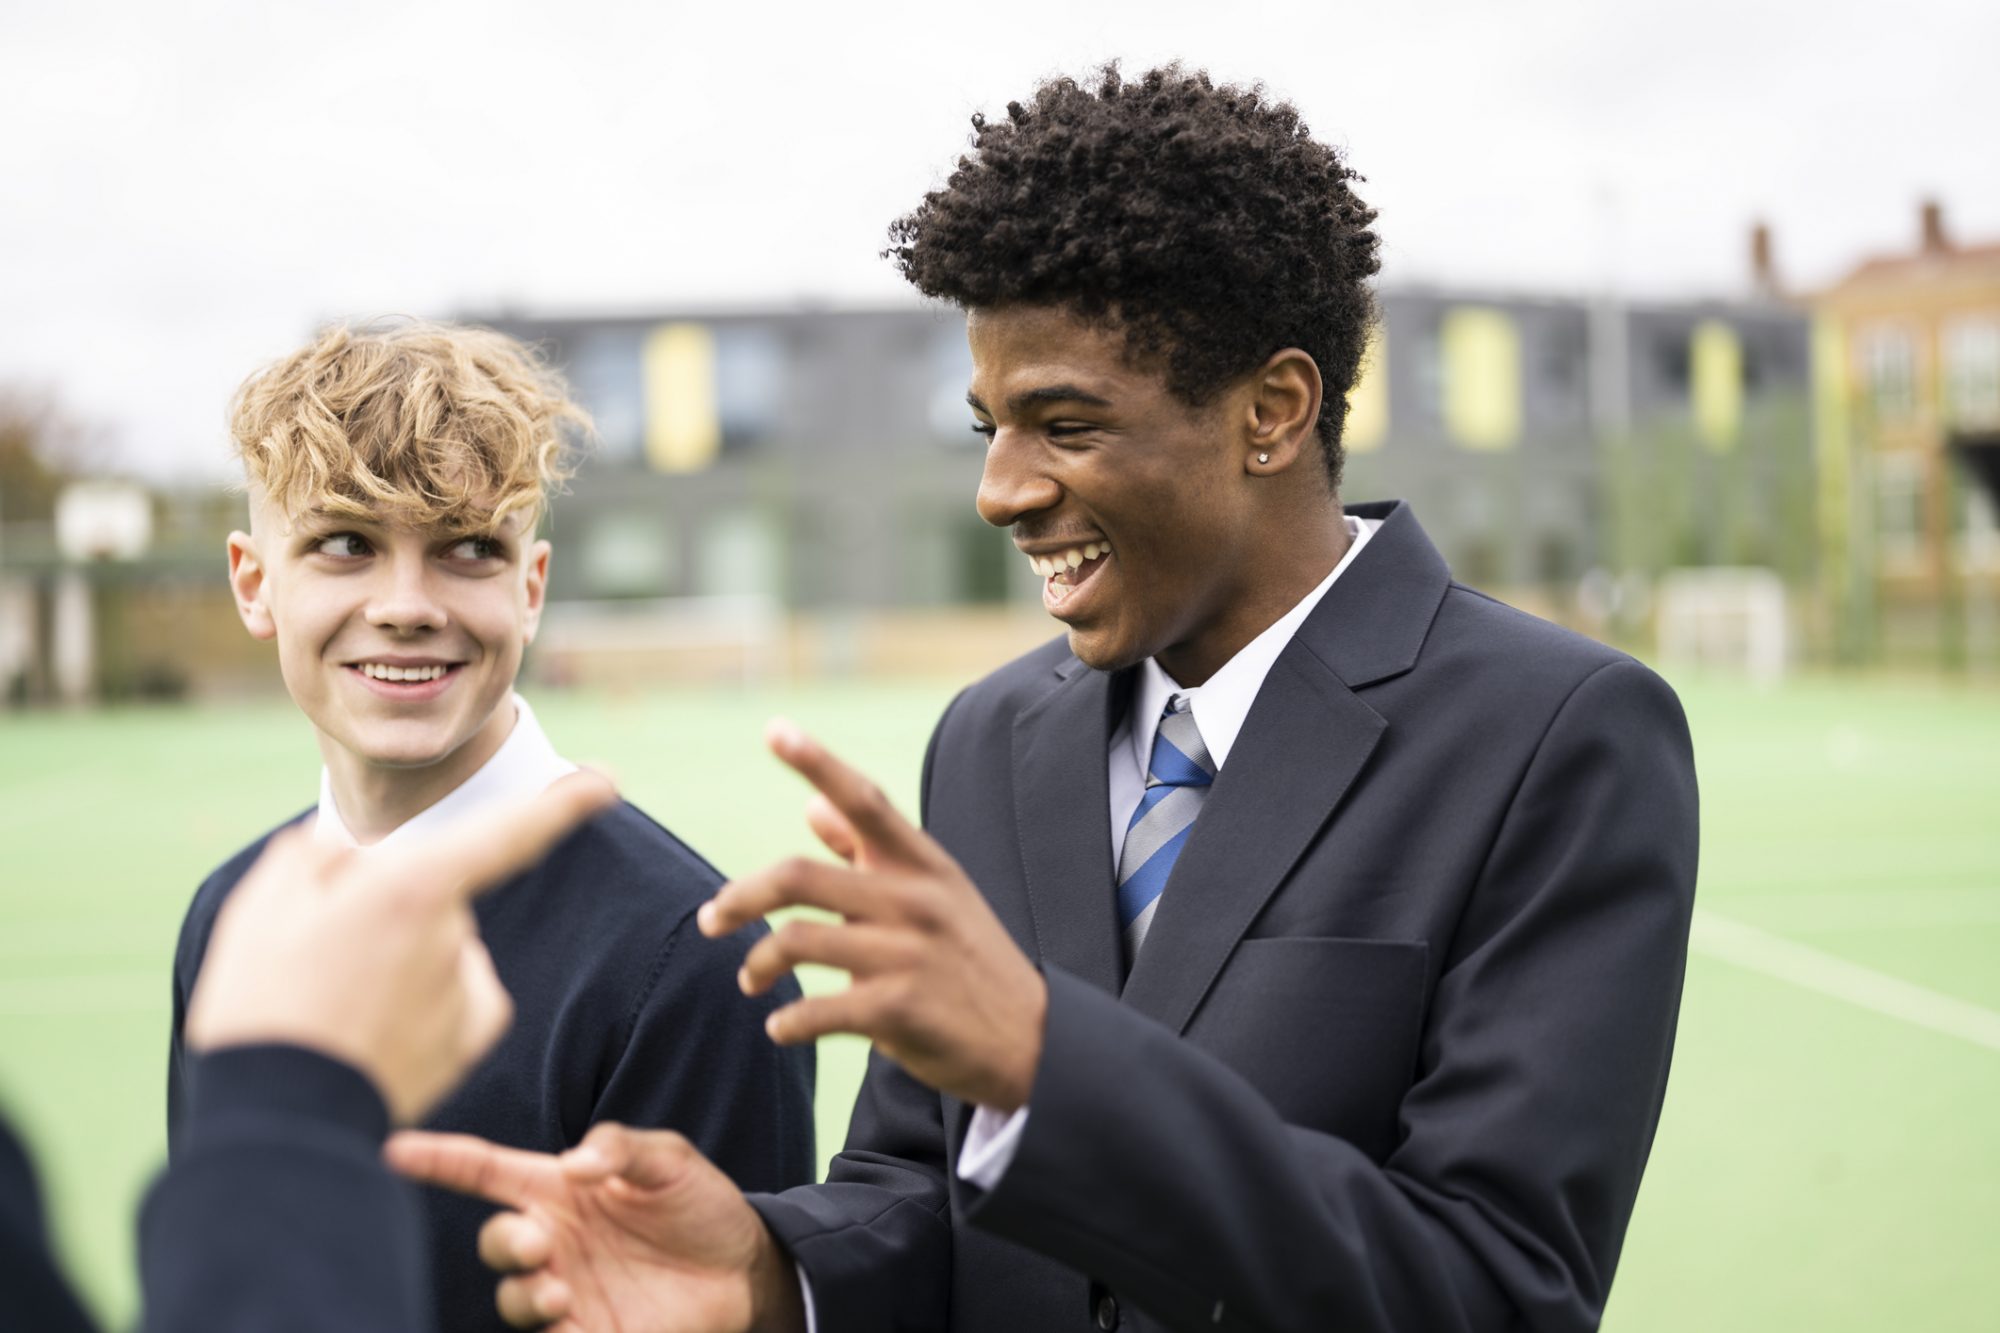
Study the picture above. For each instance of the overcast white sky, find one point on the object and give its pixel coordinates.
(186, 189)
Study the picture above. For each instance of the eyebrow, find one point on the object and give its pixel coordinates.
(317, 517)
(1053, 393)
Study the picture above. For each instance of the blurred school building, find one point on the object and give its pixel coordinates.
(1758, 482)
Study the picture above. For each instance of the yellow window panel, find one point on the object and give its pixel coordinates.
(1480, 352)
(1715, 383)
(1368, 401)
(683, 427)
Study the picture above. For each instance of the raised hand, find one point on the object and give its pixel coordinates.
(375, 959)
(938, 984)
(631, 1231)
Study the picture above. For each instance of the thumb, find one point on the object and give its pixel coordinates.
(648, 1158)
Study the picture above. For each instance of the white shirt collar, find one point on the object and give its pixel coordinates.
(1223, 701)
(524, 764)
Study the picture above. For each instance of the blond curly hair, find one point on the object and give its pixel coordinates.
(430, 424)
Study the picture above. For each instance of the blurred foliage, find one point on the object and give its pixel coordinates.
(42, 447)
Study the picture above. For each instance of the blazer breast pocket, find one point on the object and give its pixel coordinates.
(1327, 1029)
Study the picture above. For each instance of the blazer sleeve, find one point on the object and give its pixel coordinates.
(1155, 1167)
(697, 1061)
(277, 1211)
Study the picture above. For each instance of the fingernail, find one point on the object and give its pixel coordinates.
(704, 918)
(782, 733)
(771, 1027)
(587, 1158)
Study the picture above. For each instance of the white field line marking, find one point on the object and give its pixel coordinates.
(1748, 947)
(1897, 908)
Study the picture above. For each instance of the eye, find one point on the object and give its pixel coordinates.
(343, 546)
(476, 548)
(986, 428)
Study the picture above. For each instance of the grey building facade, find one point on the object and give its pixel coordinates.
(824, 457)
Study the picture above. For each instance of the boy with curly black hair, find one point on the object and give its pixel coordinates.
(1207, 225)
(1297, 944)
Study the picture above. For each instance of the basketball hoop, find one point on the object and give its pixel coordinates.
(103, 520)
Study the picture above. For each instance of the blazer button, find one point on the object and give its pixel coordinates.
(1107, 1311)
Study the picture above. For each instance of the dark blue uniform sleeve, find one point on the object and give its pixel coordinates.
(698, 1062)
(278, 1211)
(33, 1294)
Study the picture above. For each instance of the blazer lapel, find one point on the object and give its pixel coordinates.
(1063, 821)
(1304, 742)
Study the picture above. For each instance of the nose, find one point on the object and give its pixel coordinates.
(405, 602)
(1014, 484)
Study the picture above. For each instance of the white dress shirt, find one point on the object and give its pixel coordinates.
(524, 764)
(1219, 705)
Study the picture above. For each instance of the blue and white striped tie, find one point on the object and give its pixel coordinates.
(1177, 781)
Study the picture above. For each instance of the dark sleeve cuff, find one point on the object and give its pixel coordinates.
(290, 1082)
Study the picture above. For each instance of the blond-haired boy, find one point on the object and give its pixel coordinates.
(396, 476)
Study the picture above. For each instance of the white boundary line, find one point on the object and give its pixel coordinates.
(1758, 951)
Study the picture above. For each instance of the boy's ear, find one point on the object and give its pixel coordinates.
(538, 586)
(246, 580)
(1283, 415)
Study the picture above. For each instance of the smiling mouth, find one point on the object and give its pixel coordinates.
(1067, 570)
(391, 674)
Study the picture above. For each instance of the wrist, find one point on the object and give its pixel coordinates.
(1019, 1083)
(777, 1305)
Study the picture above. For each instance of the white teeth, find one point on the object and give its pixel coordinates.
(1050, 565)
(382, 671)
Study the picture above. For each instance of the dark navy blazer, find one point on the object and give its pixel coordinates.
(1395, 1049)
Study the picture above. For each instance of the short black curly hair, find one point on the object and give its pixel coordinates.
(1203, 221)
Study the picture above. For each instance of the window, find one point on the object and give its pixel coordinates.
(603, 369)
(1427, 376)
(706, 387)
(948, 367)
(749, 381)
(740, 553)
(683, 423)
(627, 555)
(1715, 383)
(1980, 542)
(1368, 400)
(1899, 508)
(1480, 352)
(1972, 372)
(1888, 373)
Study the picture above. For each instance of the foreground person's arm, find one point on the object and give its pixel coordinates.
(341, 994)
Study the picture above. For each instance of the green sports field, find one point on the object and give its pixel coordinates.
(1828, 1158)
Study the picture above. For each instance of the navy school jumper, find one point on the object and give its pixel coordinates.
(623, 1011)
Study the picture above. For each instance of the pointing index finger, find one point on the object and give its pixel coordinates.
(470, 1165)
(866, 809)
(486, 848)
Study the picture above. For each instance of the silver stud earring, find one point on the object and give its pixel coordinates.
(1263, 458)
